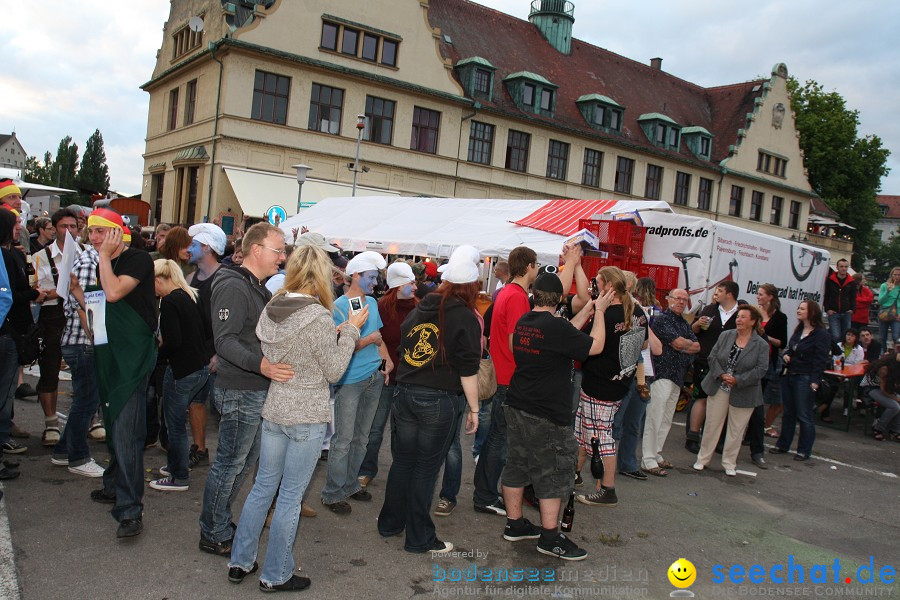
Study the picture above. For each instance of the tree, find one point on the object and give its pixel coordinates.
(65, 167)
(844, 169)
(37, 172)
(885, 256)
(93, 176)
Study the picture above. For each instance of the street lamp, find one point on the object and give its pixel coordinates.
(360, 126)
(302, 170)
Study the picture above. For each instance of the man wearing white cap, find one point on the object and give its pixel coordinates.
(393, 308)
(206, 249)
(356, 394)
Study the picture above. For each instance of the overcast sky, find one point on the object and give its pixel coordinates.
(72, 67)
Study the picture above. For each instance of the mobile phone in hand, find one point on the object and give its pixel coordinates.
(356, 305)
(383, 365)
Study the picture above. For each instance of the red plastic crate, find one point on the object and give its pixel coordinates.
(665, 276)
(620, 233)
(617, 256)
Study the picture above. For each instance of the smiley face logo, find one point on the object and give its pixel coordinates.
(682, 573)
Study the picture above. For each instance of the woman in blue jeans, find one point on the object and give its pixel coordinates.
(807, 356)
(187, 374)
(437, 377)
(889, 298)
(296, 327)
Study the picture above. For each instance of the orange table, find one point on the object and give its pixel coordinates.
(848, 378)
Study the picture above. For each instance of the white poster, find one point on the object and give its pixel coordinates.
(64, 266)
(95, 309)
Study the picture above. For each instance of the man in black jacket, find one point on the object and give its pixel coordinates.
(840, 300)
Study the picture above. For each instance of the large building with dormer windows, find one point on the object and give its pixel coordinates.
(459, 100)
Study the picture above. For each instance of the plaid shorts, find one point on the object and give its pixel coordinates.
(594, 419)
(540, 453)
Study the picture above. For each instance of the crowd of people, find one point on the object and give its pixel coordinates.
(305, 356)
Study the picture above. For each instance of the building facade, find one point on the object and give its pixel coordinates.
(453, 99)
(12, 154)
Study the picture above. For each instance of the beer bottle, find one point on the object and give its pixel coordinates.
(596, 461)
(29, 270)
(568, 515)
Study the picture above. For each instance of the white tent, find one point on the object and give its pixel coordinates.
(435, 226)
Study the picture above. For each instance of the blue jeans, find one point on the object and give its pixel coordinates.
(236, 455)
(354, 410)
(369, 465)
(798, 399)
(422, 426)
(178, 394)
(627, 428)
(287, 458)
(453, 465)
(493, 455)
(484, 427)
(838, 324)
(124, 476)
(85, 400)
(892, 328)
(9, 369)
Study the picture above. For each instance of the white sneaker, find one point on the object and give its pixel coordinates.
(88, 469)
(731, 472)
(698, 467)
(59, 462)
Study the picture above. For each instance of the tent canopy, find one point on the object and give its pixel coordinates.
(436, 226)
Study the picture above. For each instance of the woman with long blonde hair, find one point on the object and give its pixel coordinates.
(607, 379)
(187, 374)
(296, 327)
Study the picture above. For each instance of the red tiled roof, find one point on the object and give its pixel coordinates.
(893, 204)
(513, 45)
(818, 206)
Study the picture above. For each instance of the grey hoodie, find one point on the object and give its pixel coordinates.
(300, 331)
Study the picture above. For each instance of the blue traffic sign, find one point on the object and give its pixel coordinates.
(276, 215)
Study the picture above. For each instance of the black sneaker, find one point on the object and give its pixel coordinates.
(439, 547)
(129, 528)
(11, 447)
(196, 457)
(294, 584)
(777, 450)
(526, 530)
(237, 574)
(561, 547)
(24, 391)
(602, 497)
(362, 496)
(495, 508)
(217, 548)
(102, 497)
(579, 481)
(339, 508)
(639, 475)
(7, 473)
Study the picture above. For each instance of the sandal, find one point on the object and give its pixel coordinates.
(666, 464)
(771, 432)
(656, 471)
(878, 435)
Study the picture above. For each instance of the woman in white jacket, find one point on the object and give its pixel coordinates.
(296, 328)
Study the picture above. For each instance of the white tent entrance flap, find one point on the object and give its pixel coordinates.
(256, 191)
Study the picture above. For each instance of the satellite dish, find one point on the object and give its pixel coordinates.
(195, 24)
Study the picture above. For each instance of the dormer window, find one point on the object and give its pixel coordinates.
(477, 76)
(661, 130)
(532, 93)
(698, 140)
(601, 112)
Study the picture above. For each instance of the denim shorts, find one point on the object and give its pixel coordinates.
(540, 453)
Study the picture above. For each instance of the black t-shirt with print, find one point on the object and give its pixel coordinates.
(608, 375)
(544, 347)
(139, 265)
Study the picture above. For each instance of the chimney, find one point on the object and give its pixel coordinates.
(656, 63)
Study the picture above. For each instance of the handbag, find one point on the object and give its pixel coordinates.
(889, 315)
(29, 345)
(487, 379)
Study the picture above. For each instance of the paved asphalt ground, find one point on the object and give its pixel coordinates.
(844, 504)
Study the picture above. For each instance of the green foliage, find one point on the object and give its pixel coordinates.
(37, 172)
(66, 166)
(844, 170)
(93, 176)
(885, 256)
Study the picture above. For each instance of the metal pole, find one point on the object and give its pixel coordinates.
(356, 162)
(299, 192)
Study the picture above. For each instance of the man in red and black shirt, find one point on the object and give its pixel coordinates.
(840, 300)
(512, 302)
